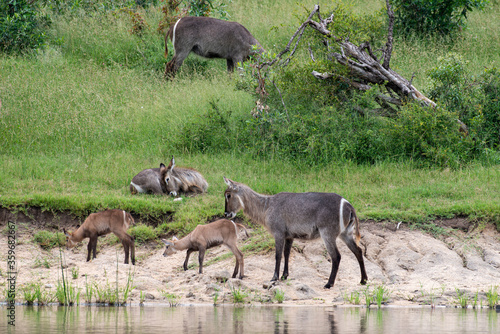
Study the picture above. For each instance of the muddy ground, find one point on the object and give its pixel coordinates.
(416, 267)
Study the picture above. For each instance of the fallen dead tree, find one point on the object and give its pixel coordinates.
(365, 69)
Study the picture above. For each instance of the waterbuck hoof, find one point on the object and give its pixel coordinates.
(363, 281)
(327, 286)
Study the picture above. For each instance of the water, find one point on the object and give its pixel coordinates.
(248, 319)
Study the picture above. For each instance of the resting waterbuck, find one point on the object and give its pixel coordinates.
(209, 38)
(203, 237)
(102, 223)
(299, 215)
(180, 180)
(149, 181)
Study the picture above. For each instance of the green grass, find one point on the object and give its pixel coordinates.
(82, 117)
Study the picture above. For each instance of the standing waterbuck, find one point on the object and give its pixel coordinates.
(209, 38)
(299, 215)
(203, 237)
(179, 180)
(102, 223)
(149, 181)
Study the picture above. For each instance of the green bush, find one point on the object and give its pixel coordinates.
(22, 26)
(143, 233)
(489, 131)
(432, 16)
(48, 240)
(209, 132)
(429, 135)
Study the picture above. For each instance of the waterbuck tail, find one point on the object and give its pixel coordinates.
(358, 235)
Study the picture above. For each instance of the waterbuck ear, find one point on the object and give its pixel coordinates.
(229, 183)
(162, 165)
(172, 163)
(66, 233)
(166, 242)
(174, 238)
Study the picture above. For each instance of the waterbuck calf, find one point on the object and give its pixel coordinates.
(299, 215)
(186, 181)
(209, 38)
(149, 181)
(102, 223)
(203, 237)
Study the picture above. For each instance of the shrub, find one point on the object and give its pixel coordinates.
(143, 233)
(22, 26)
(432, 17)
(48, 240)
(207, 133)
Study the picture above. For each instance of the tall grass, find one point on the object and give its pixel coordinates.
(79, 119)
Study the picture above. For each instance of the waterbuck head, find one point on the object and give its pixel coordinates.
(166, 175)
(69, 242)
(233, 199)
(169, 246)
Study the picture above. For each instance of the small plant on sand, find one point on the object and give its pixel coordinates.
(353, 298)
(279, 295)
(492, 296)
(239, 296)
(74, 272)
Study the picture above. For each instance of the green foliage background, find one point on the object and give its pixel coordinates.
(82, 115)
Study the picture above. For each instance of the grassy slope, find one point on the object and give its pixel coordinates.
(74, 131)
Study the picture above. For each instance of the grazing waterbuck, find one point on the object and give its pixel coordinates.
(299, 215)
(210, 38)
(183, 180)
(149, 181)
(203, 237)
(102, 223)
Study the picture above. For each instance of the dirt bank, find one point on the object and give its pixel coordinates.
(414, 266)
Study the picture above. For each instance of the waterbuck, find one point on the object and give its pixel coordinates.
(209, 38)
(102, 223)
(149, 181)
(203, 237)
(179, 180)
(299, 215)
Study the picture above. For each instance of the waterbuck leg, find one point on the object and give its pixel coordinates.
(353, 246)
(92, 247)
(332, 249)
(288, 247)
(188, 253)
(230, 65)
(126, 250)
(239, 261)
(132, 249)
(279, 243)
(89, 249)
(201, 256)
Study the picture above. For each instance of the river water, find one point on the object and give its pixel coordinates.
(248, 319)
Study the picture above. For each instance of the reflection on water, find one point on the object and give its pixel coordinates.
(258, 319)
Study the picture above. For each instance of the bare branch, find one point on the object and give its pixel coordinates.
(388, 45)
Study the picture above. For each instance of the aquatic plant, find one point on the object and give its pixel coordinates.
(172, 298)
(492, 296)
(89, 291)
(461, 298)
(381, 295)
